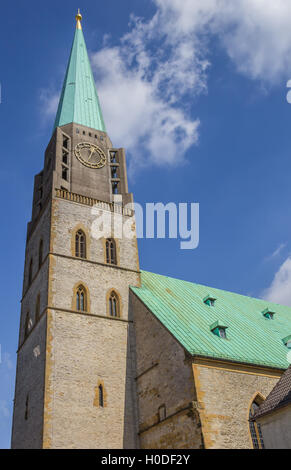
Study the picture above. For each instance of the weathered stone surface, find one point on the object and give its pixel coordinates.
(164, 377)
(224, 396)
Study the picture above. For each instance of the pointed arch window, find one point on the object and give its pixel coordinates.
(81, 299)
(30, 272)
(114, 307)
(80, 244)
(37, 308)
(255, 428)
(101, 396)
(40, 254)
(111, 251)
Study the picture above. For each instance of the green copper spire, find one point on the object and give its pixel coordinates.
(79, 102)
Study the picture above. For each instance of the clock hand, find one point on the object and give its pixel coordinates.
(92, 151)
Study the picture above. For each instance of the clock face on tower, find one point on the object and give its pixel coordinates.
(90, 155)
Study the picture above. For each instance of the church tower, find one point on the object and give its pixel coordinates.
(75, 383)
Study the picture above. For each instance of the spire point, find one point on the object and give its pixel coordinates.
(79, 19)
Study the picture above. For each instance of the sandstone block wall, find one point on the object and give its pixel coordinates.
(164, 378)
(224, 395)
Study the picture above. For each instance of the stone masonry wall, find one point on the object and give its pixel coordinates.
(224, 396)
(27, 433)
(86, 349)
(164, 378)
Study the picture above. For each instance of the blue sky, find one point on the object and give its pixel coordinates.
(196, 93)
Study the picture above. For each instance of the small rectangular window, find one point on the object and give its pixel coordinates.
(65, 173)
(77, 131)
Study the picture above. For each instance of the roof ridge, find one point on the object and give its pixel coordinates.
(257, 299)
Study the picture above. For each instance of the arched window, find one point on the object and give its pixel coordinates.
(30, 272)
(101, 396)
(40, 254)
(37, 308)
(80, 244)
(111, 251)
(114, 310)
(81, 299)
(255, 428)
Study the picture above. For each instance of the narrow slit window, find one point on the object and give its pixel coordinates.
(27, 325)
(37, 308)
(40, 254)
(26, 407)
(30, 272)
(101, 396)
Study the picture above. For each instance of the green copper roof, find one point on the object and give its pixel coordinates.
(79, 101)
(251, 338)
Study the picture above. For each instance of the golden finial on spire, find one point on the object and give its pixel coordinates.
(79, 19)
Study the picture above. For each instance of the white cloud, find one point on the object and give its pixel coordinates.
(277, 252)
(140, 98)
(49, 100)
(280, 288)
(255, 33)
(148, 81)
